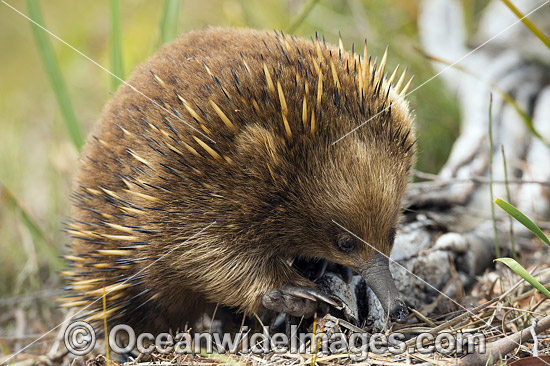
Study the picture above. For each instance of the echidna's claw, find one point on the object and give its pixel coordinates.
(321, 269)
(279, 321)
(347, 274)
(302, 292)
(308, 293)
(294, 300)
(290, 300)
(321, 296)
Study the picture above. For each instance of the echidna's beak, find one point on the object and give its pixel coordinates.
(376, 273)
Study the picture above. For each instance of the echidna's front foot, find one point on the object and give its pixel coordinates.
(293, 300)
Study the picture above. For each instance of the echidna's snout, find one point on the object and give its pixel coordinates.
(399, 312)
(376, 272)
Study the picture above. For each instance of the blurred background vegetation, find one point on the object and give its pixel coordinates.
(38, 159)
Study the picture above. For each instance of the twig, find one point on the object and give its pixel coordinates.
(344, 323)
(457, 320)
(475, 179)
(503, 346)
(421, 317)
(467, 314)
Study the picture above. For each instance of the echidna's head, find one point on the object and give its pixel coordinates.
(353, 208)
(331, 190)
(340, 201)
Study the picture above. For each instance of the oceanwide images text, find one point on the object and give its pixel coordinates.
(80, 339)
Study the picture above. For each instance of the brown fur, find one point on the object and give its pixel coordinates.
(271, 183)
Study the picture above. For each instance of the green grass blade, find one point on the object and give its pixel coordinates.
(533, 28)
(524, 220)
(40, 239)
(116, 45)
(54, 74)
(522, 114)
(509, 198)
(493, 216)
(522, 272)
(303, 15)
(169, 21)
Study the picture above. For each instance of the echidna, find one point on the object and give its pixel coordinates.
(220, 163)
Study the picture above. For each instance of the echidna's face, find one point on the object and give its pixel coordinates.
(348, 201)
(348, 206)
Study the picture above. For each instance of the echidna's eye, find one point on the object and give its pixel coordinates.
(391, 236)
(345, 243)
